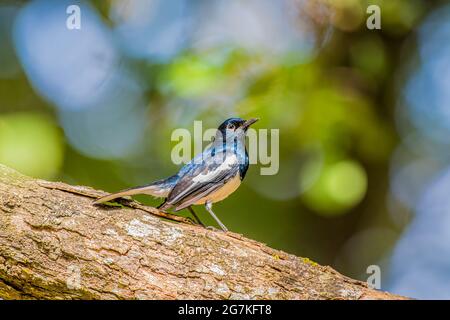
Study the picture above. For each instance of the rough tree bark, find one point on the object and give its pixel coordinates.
(54, 244)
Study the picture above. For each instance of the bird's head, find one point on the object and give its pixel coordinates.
(234, 128)
(233, 125)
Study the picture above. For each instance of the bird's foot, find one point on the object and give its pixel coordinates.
(215, 229)
(191, 221)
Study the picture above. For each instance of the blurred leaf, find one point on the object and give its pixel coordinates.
(31, 144)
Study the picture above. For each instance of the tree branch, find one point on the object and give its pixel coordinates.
(54, 244)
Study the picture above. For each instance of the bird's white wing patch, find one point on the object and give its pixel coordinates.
(230, 161)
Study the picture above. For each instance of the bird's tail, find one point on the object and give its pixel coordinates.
(160, 189)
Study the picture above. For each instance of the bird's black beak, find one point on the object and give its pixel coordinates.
(248, 123)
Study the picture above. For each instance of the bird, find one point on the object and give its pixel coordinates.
(208, 178)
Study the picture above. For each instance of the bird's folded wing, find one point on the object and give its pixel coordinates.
(201, 180)
(193, 197)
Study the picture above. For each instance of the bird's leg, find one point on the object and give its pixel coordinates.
(195, 216)
(208, 206)
(159, 207)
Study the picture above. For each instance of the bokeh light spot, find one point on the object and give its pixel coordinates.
(339, 187)
(31, 144)
(347, 183)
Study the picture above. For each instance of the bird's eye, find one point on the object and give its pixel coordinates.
(231, 126)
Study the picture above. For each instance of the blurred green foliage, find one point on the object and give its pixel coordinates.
(334, 109)
(31, 143)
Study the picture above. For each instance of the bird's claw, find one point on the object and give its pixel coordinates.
(191, 221)
(215, 229)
